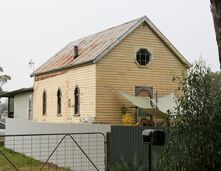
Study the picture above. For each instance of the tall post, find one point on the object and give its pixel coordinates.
(156, 96)
(150, 158)
(136, 116)
(107, 149)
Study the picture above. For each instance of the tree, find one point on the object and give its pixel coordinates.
(3, 79)
(193, 140)
(3, 107)
(216, 13)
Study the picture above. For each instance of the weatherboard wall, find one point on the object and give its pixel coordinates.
(101, 83)
(21, 106)
(83, 77)
(118, 72)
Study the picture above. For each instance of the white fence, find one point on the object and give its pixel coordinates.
(68, 154)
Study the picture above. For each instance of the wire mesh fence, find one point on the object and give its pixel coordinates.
(62, 152)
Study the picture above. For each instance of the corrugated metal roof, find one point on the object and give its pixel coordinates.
(94, 47)
(16, 92)
(89, 48)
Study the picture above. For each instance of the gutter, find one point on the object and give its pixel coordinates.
(64, 68)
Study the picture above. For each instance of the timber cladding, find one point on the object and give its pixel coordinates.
(84, 77)
(118, 72)
(101, 81)
(45, 76)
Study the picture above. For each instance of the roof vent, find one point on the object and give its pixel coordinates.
(75, 52)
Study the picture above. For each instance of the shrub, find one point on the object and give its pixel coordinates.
(193, 141)
(127, 120)
(134, 165)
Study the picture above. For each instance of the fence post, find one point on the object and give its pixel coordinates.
(108, 151)
(150, 158)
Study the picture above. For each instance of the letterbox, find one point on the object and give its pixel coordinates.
(154, 136)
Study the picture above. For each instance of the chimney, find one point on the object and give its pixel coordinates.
(75, 52)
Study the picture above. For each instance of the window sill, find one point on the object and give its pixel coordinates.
(76, 115)
(59, 115)
(144, 66)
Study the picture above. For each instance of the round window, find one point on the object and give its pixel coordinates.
(143, 57)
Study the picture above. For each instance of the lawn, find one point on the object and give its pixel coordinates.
(22, 162)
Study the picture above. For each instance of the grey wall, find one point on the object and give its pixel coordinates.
(68, 154)
(21, 106)
(126, 145)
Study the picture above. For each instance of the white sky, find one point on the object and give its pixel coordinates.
(37, 29)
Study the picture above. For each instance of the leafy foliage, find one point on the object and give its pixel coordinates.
(135, 165)
(3, 107)
(3, 79)
(216, 13)
(193, 141)
(127, 120)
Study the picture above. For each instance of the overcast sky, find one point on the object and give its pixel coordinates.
(37, 29)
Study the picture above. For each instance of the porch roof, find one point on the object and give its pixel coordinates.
(16, 92)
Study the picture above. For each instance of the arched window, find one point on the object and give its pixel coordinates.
(77, 101)
(44, 103)
(59, 101)
(144, 91)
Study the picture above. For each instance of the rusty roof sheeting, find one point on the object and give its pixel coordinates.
(89, 48)
(95, 46)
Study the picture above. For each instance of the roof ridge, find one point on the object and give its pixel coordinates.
(77, 42)
(119, 37)
(110, 28)
(94, 46)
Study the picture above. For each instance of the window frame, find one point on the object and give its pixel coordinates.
(76, 101)
(2, 126)
(149, 89)
(59, 101)
(150, 57)
(44, 103)
(30, 107)
(11, 107)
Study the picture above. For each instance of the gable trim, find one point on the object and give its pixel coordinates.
(156, 31)
(114, 43)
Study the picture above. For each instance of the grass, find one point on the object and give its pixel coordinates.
(22, 162)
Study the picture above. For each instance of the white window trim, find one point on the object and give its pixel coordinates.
(151, 56)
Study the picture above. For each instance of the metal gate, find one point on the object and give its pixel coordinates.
(61, 152)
